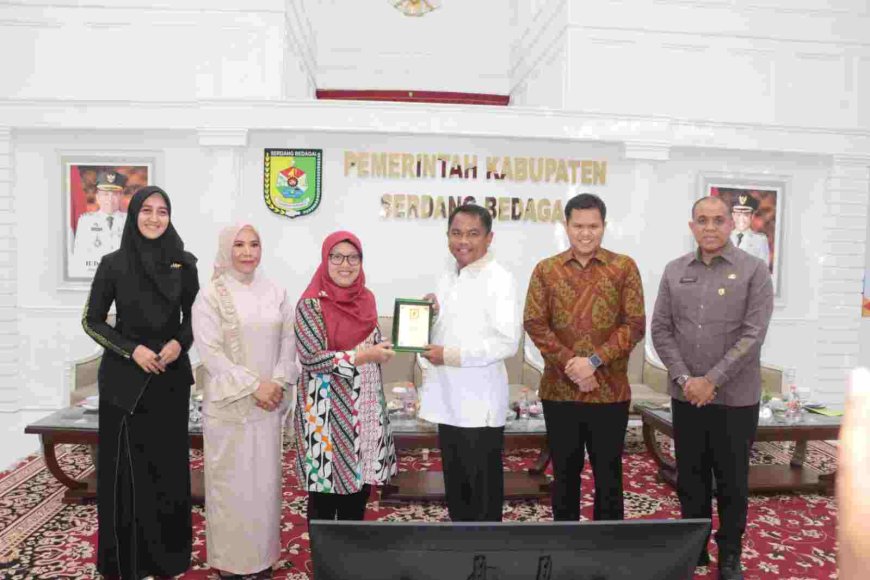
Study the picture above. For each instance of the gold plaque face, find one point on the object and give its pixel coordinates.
(412, 320)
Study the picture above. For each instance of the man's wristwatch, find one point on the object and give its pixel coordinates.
(595, 361)
(681, 380)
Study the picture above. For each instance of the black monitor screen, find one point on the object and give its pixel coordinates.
(636, 549)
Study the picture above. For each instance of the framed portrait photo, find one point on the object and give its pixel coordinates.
(96, 193)
(756, 208)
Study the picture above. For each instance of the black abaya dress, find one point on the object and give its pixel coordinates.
(143, 475)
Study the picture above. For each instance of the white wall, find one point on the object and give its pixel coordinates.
(803, 63)
(179, 50)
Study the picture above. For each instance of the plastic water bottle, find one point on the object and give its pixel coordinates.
(524, 404)
(536, 408)
(410, 401)
(793, 407)
(788, 378)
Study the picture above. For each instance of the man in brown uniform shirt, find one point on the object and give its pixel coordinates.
(584, 311)
(710, 319)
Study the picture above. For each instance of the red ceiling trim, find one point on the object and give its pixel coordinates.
(414, 97)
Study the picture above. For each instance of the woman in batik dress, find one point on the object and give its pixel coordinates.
(343, 439)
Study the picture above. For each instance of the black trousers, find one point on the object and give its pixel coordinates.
(599, 428)
(333, 506)
(473, 472)
(715, 440)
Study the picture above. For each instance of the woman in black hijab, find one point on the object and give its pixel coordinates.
(143, 473)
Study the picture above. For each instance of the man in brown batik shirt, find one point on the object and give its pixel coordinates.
(584, 311)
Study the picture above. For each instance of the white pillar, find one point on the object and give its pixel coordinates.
(540, 60)
(843, 253)
(222, 159)
(9, 342)
(300, 53)
(647, 157)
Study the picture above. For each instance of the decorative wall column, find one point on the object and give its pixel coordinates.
(300, 53)
(222, 156)
(647, 156)
(9, 343)
(540, 57)
(847, 197)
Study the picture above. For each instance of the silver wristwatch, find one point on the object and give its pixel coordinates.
(595, 361)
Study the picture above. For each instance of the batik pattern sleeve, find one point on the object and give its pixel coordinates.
(537, 320)
(327, 415)
(632, 325)
(314, 353)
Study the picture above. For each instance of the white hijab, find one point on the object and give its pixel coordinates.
(223, 262)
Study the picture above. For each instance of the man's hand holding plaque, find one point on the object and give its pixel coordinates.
(412, 323)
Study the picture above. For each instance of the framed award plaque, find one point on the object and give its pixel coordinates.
(412, 324)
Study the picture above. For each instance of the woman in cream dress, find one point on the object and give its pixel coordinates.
(243, 325)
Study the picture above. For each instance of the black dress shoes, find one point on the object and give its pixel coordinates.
(729, 567)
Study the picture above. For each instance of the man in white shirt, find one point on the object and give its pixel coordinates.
(465, 384)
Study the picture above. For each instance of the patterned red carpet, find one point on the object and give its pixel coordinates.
(788, 537)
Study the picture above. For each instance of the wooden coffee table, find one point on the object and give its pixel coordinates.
(429, 485)
(762, 478)
(79, 426)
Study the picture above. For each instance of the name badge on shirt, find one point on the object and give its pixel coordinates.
(688, 279)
